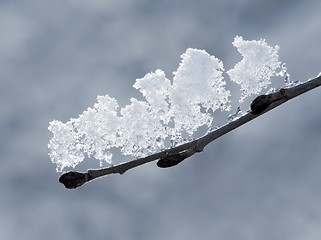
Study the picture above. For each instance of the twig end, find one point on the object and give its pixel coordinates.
(73, 179)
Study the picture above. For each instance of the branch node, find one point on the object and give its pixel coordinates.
(282, 91)
(261, 103)
(199, 147)
(171, 160)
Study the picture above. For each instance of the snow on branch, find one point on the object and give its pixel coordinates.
(163, 126)
(143, 127)
(259, 64)
(173, 156)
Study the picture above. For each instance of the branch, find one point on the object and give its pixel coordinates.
(171, 157)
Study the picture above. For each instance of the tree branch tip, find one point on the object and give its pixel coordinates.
(73, 179)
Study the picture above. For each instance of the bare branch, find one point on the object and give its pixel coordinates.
(173, 156)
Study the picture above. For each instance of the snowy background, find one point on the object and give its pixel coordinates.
(261, 181)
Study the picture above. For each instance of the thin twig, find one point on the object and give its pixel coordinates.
(173, 156)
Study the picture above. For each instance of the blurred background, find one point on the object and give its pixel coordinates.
(261, 181)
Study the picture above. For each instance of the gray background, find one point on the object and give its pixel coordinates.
(261, 181)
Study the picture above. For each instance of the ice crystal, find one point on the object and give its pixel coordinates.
(236, 115)
(259, 64)
(94, 132)
(142, 132)
(197, 83)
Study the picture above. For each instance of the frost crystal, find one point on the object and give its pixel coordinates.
(198, 83)
(172, 108)
(142, 133)
(236, 115)
(155, 88)
(94, 132)
(258, 65)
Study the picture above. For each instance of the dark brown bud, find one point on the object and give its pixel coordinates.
(73, 179)
(171, 160)
(261, 103)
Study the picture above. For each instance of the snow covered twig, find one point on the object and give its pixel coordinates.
(173, 156)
